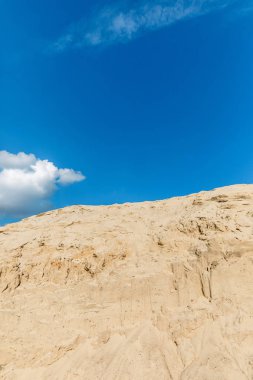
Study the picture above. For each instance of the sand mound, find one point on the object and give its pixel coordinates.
(153, 290)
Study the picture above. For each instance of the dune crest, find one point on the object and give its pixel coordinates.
(152, 290)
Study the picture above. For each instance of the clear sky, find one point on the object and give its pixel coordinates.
(147, 99)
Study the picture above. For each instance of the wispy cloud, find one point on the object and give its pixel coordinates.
(119, 24)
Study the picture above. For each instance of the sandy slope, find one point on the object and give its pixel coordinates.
(153, 290)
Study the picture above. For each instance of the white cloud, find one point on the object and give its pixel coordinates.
(68, 176)
(16, 161)
(115, 24)
(27, 183)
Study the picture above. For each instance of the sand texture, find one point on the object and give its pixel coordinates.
(153, 290)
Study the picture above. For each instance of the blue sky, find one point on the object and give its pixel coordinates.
(147, 99)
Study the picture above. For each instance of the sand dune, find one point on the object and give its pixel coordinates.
(153, 290)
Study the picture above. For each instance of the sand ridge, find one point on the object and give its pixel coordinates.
(152, 290)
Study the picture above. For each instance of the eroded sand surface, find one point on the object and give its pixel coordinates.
(154, 290)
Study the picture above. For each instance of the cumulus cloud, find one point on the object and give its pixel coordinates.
(117, 24)
(27, 183)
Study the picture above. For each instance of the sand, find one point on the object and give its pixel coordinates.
(153, 290)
